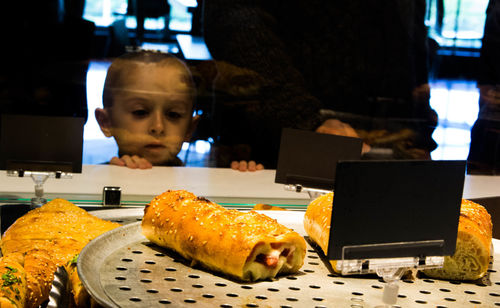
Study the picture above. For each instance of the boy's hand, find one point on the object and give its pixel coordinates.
(246, 166)
(132, 162)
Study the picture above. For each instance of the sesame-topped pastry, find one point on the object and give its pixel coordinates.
(317, 223)
(472, 253)
(247, 246)
(49, 237)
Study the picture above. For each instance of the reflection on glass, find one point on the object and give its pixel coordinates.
(457, 23)
(245, 89)
(104, 12)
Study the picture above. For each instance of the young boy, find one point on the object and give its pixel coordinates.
(148, 103)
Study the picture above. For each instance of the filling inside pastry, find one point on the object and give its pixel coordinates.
(469, 262)
(269, 259)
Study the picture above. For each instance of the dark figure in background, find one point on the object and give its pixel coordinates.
(484, 154)
(147, 8)
(329, 66)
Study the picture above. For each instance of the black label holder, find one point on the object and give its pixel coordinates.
(361, 204)
(307, 160)
(30, 151)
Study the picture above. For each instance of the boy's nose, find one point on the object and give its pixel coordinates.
(157, 126)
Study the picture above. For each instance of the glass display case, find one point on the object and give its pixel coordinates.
(96, 113)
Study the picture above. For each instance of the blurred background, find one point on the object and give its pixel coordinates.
(108, 28)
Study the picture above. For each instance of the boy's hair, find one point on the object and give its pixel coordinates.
(126, 63)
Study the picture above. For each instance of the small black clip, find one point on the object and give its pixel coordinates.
(111, 196)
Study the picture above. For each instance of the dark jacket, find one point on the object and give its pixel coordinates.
(354, 57)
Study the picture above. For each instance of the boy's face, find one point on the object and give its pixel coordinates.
(151, 115)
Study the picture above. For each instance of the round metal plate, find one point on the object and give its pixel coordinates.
(121, 216)
(123, 269)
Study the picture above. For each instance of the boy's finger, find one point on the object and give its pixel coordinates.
(129, 162)
(251, 165)
(116, 161)
(243, 165)
(259, 167)
(148, 164)
(143, 163)
(235, 165)
(139, 161)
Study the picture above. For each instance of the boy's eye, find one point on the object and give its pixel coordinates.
(140, 113)
(173, 115)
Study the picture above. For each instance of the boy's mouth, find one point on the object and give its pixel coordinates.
(153, 146)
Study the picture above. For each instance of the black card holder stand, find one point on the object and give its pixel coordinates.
(307, 160)
(389, 217)
(39, 178)
(389, 269)
(45, 147)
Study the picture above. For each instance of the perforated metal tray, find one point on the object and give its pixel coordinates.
(122, 269)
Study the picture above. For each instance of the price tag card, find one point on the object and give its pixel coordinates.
(41, 143)
(387, 202)
(310, 159)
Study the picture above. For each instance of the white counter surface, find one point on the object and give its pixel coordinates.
(222, 185)
(481, 186)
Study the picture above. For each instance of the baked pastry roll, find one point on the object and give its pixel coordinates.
(472, 253)
(317, 223)
(247, 246)
(49, 237)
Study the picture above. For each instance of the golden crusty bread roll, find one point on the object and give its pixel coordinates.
(246, 246)
(317, 222)
(472, 253)
(12, 282)
(49, 237)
